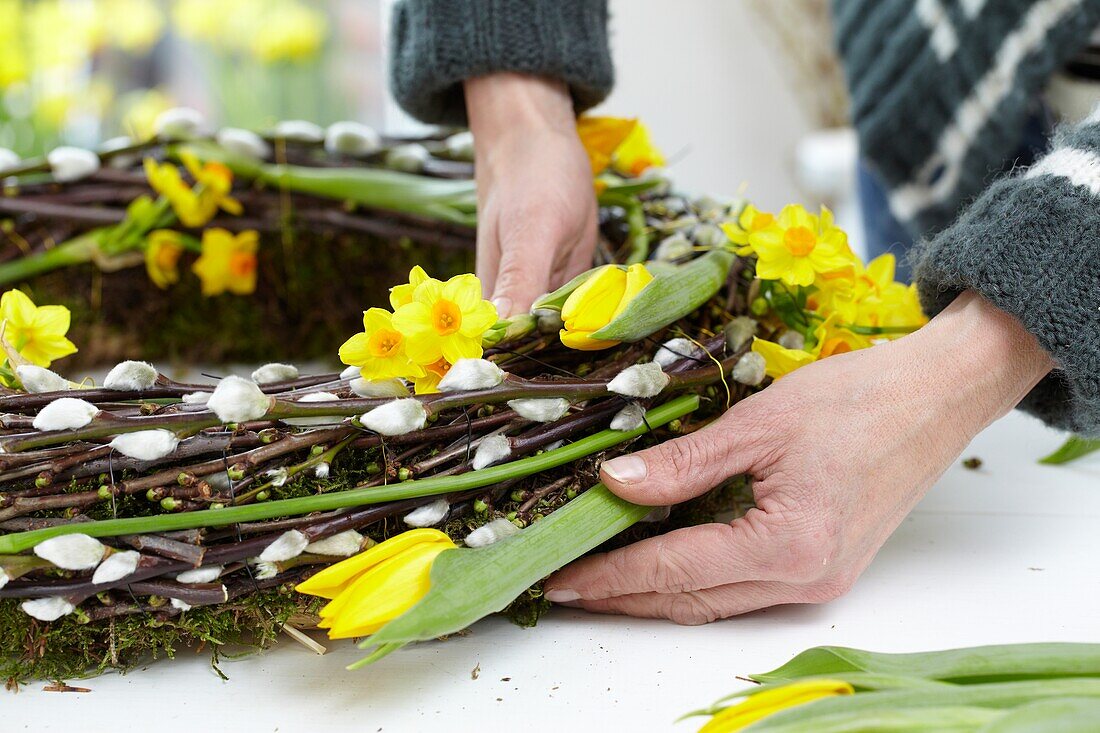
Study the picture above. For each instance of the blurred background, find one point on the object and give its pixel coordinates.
(743, 95)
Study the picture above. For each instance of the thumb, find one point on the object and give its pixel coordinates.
(523, 275)
(680, 469)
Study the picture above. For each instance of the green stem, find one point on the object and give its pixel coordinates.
(18, 542)
(635, 220)
(76, 251)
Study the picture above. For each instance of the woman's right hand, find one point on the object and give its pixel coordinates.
(537, 213)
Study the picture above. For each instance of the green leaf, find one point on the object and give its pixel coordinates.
(1059, 715)
(1075, 447)
(19, 541)
(962, 666)
(670, 297)
(469, 584)
(945, 719)
(556, 300)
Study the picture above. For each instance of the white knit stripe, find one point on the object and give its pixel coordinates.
(974, 112)
(972, 8)
(942, 34)
(1079, 167)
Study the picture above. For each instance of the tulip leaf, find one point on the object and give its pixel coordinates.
(961, 666)
(669, 297)
(555, 300)
(1075, 447)
(1065, 715)
(469, 584)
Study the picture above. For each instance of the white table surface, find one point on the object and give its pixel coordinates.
(1008, 553)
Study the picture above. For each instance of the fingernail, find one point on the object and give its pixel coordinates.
(626, 470)
(503, 306)
(562, 595)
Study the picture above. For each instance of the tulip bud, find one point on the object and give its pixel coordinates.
(270, 373)
(429, 514)
(178, 123)
(471, 374)
(207, 574)
(65, 413)
(71, 164)
(345, 544)
(36, 379)
(131, 376)
(289, 544)
(71, 551)
(351, 138)
(750, 369)
(146, 445)
(301, 131)
(540, 410)
(47, 609)
(409, 158)
(243, 142)
(492, 449)
(640, 380)
(117, 566)
(630, 417)
(676, 350)
(238, 400)
(374, 388)
(396, 418)
(494, 531)
(597, 302)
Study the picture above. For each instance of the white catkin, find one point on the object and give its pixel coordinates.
(351, 372)
(207, 574)
(178, 123)
(630, 417)
(36, 379)
(396, 418)
(119, 160)
(275, 372)
(750, 369)
(65, 413)
(179, 605)
(302, 131)
(409, 157)
(345, 544)
(739, 332)
(428, 515)
(321, 470)
(492, 449)
(675, 350)
(237, 400)
(352, 138)
(47, 609)
(146, 445)
(8, 159)
(4, 577)
(640, 380)
(72, 164)
(196, 398)
(540, 410)
(131, 376)
(461, 145)
(266, 570)
(277, 476)
(71, 551)
(243, 142)
(491, 532)
(289, 544)
(117, 566)
(378, 387)
(471, 374)
(310, 398)
(674, 247)
(792, 340)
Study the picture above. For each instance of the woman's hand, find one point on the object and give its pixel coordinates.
(840, 452)
(537, 215)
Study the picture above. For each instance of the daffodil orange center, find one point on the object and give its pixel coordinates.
(242, 264)
(800, 241)
(446, 317)
(167, 256)
(384, 342)
(439, 368)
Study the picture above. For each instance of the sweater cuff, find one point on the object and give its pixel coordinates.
(1031, 246)
(436, 44)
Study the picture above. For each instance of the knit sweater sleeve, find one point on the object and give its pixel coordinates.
(436, 44)
(1031, 245)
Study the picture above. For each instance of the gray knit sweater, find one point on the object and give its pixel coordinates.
(940, 93)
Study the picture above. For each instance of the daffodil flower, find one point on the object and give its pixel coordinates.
(372, 588)
(637, 153)
(433, 375)
(445, 320)
(163, 248)
(601, 136)
(797, 246)
(768, 702)
(37, 333)
(196, 206)
(403, 294)
(598, 300)
(780, 361)
(833, 339)
(379, 351)
(228, 262)
(750, 221)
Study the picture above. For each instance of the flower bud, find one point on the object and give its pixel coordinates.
(792, 340)
(71, 551)
(675, 350)
(750, 369)
(179, 605)
(146, 445)
(345, 544)
(238, 400)
(275, 372)
(310, 398)
(8, 159)
(277, 476)
(598, 301)
(739, 332)
(71, 164)
(289, 544)
(429, 514)
(301, 131)
(120, 161)
(321, 470)
(196, 398)
(245, 143)
(492, 449)
(494, 531)
(630, 417)
(709, 235)
(207, 574)
(47, 609)
(351, 138)
(117, 566)
(374, 388)
(409, 157)
(640, 380)
(65, 413)
(460, 146)
(674, 247)
(396, 418)
(178, 123)
(540, 410)
(131, 376)
(471, 374)
(36, 379)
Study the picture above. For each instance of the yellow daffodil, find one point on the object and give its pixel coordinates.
(869, 297)
(780, 361)
(834, 339)
(445, 320)
(403, 294)
(433, 375)
(598, 300)
(227, 262)
(797, 246)
(163, 248)
(637, 153)
(750, 221)
(601, 136)
(379, 351)
(376, 586)
(194, 206)
(36, 332)
(768, 702)
(295, 33)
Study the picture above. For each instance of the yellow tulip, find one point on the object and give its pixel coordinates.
(162, 255)
(376, 586)
(598, 301)
(762, 704)
(445, 320)
(227, 262)
(379, 351)
(37, 332)
(780, 361)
